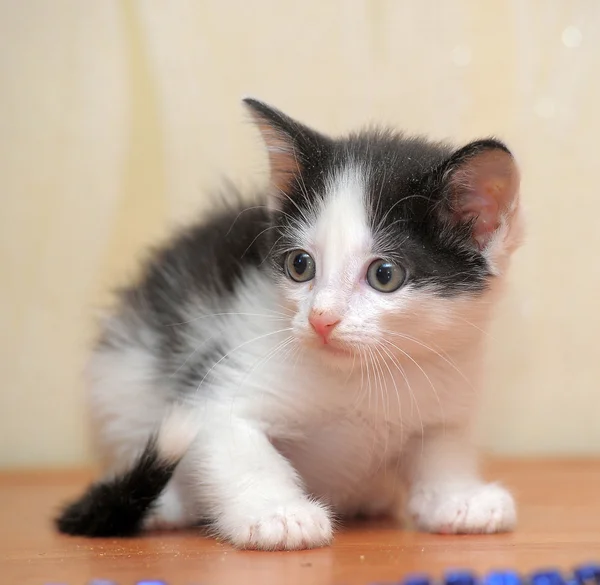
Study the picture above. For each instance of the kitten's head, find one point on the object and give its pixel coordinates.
(382, 242)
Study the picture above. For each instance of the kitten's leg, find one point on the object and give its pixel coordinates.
(446, 493)
(253, 493)
(383, 495)
(170, 512)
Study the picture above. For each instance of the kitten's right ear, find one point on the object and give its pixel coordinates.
(291, 146)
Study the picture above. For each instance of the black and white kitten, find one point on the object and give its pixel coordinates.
(282, 365)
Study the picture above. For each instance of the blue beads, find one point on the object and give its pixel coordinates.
(588, 574)
(547, 578)
(416, 580)
(502, 578)
(460, 578)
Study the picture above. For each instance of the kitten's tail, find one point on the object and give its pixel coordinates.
(119, 505)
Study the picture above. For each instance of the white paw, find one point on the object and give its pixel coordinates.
(300, 525)
(475, 509)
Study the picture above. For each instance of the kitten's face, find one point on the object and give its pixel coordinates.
(384, 244)
(345, 290)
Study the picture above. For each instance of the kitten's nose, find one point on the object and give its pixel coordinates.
(323, 323)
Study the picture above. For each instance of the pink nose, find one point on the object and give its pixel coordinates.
(323, 323)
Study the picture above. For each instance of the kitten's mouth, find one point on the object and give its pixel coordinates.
(335, 348)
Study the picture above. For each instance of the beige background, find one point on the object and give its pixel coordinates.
(116, 117)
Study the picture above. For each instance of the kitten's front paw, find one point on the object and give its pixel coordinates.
(299, 525)
(477, 509)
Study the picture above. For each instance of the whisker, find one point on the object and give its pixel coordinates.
(352, 367)
(368, 371)
(235, 349)
(377, 206)
(194, 352)
(201, 317)
(404, 375)
(375, 378)
(361, 395)
(384, 398)
(268, 255)
(393, 378)
(302, 214)
(440, 355)
(487, 333)
(300, 182)
(433, 388)
(398, 202)
(271, 227)
(242, 212)
(263, 360)
(373, 365)
(413, 396)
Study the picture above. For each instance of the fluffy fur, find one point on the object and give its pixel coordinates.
(318, 399)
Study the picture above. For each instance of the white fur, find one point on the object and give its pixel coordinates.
(170, 512)
(462, 509)
(177, 432)
(284, 419)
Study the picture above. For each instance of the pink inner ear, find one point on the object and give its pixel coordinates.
(283, 162)
(485, 188)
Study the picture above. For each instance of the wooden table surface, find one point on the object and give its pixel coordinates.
(559, 526)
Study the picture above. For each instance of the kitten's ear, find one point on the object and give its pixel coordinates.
(290, 145)
(482, 180)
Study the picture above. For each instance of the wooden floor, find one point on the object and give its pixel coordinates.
(559, 526)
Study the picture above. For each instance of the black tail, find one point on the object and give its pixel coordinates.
(118, 506)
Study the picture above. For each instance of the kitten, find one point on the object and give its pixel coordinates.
(280, 366)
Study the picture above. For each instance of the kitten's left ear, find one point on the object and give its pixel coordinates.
(482, 179)
(292, 146)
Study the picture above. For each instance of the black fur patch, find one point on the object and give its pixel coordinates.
(117, 507)
(202, 267)
(208, 259)
(408, 197)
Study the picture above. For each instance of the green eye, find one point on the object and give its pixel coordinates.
(300, 266)
(385, 276)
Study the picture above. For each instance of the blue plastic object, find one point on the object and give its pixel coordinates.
(503, 578)
(417, 580)
(588, 574)
(151, 583)
(550, 577)
(460, 578)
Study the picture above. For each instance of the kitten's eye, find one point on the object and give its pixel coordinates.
(385, 276)
(300, 266)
